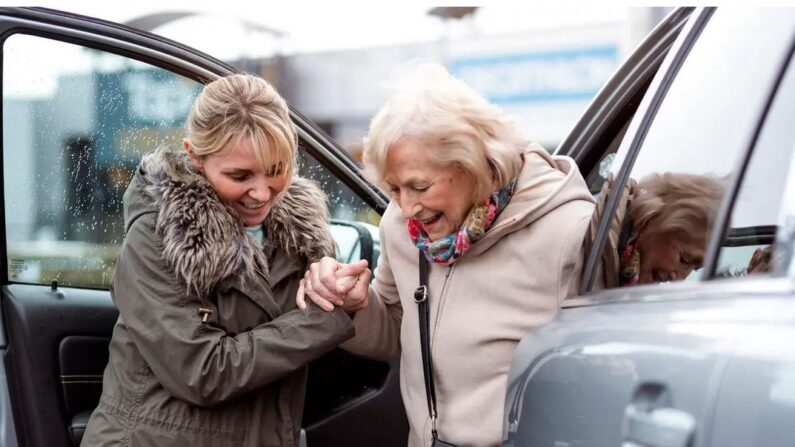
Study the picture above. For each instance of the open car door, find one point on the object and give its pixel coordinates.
(83, 99)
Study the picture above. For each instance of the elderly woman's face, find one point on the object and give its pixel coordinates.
(665, 257)
(439, 198)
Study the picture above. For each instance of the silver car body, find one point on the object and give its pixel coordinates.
(703, 362)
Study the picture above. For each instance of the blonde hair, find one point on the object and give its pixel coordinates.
(457, 126)
(683, 205)
(238, 107)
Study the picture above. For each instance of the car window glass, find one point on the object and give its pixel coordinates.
(694, 143)
(598, 175)
(76, 122)
(350, 215)
(749, 244)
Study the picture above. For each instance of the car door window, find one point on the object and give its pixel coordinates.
(748, 246)
(691, 148)
(354, 222)
(76, 122)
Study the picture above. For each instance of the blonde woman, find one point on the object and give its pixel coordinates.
(501, 223)
(209, 349)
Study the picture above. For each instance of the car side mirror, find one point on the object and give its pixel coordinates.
(356, 240)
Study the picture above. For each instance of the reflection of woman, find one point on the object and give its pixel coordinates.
(209, 349)
(503, 223)
(660, 230)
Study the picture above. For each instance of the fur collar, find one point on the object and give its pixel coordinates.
(204, 241)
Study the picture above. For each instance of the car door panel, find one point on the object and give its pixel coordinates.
(369, 407)
(8, 434)
(593, 365)
(38, 320)
(756, 403)
(81, 363)
(58, 334)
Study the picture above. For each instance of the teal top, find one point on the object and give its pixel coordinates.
(256, 233)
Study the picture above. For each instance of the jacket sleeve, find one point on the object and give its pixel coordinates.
(378, 325)
(198, 362)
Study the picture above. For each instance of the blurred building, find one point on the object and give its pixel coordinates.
(544, 79)
(104, 111)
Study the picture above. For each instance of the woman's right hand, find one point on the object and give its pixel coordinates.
(329, 283)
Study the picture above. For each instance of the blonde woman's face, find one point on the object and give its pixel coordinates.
(440, 199)
(241, 181)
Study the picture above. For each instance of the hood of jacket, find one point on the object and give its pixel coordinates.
(545, 183)
(204, 240)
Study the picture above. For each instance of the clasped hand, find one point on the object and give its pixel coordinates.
(329, 283)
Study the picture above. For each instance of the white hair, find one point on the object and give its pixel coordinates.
(457, 126)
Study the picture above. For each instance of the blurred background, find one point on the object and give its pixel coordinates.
(542, 64)
(82, 117)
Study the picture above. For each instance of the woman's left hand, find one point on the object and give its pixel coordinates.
(328, 283)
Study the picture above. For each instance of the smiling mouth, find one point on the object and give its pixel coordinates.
(252, 206)
(431, 220)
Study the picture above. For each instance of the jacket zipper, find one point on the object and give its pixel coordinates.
(436, 325)
(442, 296)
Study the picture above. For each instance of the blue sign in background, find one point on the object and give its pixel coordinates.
(136, 104)
(537, 77)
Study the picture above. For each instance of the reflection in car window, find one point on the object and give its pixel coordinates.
(749, 244)
(702, 128)
(76, 122)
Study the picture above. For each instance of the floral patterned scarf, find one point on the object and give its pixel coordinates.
(628, 255)
(451, 247)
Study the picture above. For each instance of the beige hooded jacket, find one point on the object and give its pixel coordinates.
(510, 282)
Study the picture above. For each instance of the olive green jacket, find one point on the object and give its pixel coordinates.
(238, 378)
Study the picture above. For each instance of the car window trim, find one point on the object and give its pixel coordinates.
(94, 26)
(723, 219)
(685, 290)
(10, 26)
(699, 20)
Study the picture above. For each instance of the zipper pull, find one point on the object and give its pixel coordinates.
(205, 313)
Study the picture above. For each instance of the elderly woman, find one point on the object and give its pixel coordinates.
(209, 349)
(501, 223)
(660, 230)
